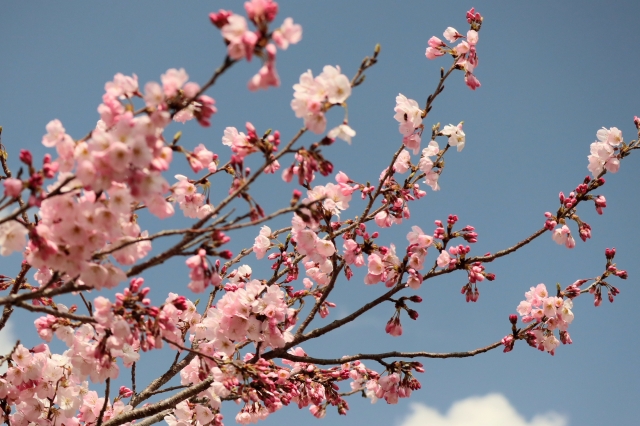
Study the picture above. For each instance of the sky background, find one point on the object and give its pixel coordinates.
(552, 74)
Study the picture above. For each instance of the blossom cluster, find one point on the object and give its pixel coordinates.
(604, 155)
(244, 43)
(314, 95)
(45, 388)
(465, 52)
(87, 228)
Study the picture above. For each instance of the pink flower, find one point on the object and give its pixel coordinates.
(561, 236)
(12, 237)
(262, 242)
(419, 238)
(12, 187)
(343, 132)
(435, 42)
(471, 81)
(122, 86)
(267, 76)
(408, 114)
(220, 19)
(451, 34)
(432, 53)
(443, 259)
(288, 33)
(336, 84)
(261, 10)
(612, 136)
(403, 162)
(234, 29)
(55, 134)
(472, 37)
(173, 80)
(153, 94)
(394, 327)
(412, 142)
(603, 156)
(600, 203)
(456, 135)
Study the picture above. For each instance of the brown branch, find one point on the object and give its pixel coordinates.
(168, 403)
(492, 257)
(393, 354)
(106, 402)
(333, 325)
(35, 308)
(162, 380)
(68, 287)
(270, 216)
(320, 301)
(172, 388)
(155, 418)
(228, 62)
(17, 283)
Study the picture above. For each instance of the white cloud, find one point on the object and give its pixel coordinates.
(490, 410)
(7, 341)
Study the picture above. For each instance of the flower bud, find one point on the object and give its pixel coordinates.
(26, 157)
(610, 253)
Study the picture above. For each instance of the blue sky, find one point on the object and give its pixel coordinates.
(552, 74)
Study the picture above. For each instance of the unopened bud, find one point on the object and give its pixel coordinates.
(26, 157)
(412, 314)
(610, 253)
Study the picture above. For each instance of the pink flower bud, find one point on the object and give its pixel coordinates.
(610, 253)
(508, 343)
(26, 157)
(220, 19)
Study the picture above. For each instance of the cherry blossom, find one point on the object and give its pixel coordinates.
(288, 33)
(456, 135)
(89, 234)
(262, 242)
(311, 93)
(408, 114)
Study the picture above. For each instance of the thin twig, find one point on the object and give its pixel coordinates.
(106, 402)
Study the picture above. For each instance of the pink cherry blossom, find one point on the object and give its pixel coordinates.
(456, 135)
(12, 237)
(451, 34)
(343, 132)
(403, 162)
(262, 242)
(173, 80)
(267, 76)
(612, 136)
(408, 114)
(288, 33)
(122, 86)
(12, 187)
